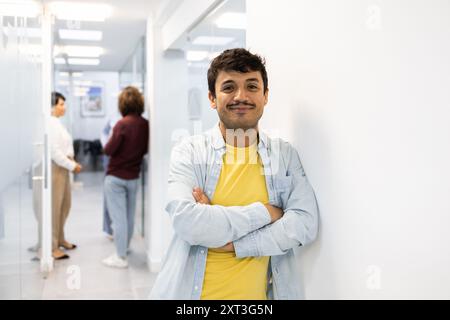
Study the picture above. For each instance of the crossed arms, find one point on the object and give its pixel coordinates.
(253, 230)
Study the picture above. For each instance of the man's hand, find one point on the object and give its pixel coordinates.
(78, 168)
(275, 212)
(200, 196)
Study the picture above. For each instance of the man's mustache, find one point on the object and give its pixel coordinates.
(240, 103)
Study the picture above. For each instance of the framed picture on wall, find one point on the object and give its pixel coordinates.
(92, 101)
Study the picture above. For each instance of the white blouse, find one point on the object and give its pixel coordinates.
(61, 145)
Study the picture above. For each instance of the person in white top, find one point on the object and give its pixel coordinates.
(62, 155)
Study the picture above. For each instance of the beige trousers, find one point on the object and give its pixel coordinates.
(61, 202)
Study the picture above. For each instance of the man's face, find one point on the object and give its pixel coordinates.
(240, 99)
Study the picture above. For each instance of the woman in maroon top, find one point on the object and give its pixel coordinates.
(126, 149)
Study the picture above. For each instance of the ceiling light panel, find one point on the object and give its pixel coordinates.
(80, 11)
(84, 62)
(212, 41)
(17, 8)
(196, 55)
(232, 20)
(23, 32)
(60, 61)
(86, 35)
(80, 51)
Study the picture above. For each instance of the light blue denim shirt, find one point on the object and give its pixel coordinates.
(197, 162)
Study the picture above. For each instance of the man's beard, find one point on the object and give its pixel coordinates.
(239, 124)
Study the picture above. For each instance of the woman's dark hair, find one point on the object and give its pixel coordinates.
(55, 98)
(131, 101)
(240, 60)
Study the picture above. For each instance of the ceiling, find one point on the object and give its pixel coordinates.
(207, 27)
(121, 32)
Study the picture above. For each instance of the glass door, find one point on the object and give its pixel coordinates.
(24, 187)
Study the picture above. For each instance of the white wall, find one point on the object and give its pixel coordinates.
(167, 98)
(208, 118)
(362, 90)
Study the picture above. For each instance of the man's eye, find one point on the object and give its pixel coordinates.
(228, 88)
(253, 87)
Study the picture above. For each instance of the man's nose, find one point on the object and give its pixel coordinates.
(241, 95)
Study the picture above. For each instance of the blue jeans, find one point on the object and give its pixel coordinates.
(120, 197)
(107, 223)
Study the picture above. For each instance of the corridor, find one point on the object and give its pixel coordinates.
(84, 228)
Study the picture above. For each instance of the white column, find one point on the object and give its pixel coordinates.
(167, 100)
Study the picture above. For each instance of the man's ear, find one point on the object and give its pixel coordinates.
(212, 100)
(266, 96)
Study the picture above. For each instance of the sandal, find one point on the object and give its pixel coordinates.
(59, 255)
(72, 246)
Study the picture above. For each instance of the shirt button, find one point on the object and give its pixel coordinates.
(202, 251)
(196, 288)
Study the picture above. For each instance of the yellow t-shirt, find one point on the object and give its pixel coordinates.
(241, 182)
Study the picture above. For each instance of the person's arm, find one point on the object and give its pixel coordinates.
(274, 212)
(56, 153)
(115, 141)
(211, 226)
(297, 227)
(147, 132)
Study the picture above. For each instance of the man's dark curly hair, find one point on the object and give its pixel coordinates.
(240, 60)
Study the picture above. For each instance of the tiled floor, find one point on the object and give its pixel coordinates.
(83, 276)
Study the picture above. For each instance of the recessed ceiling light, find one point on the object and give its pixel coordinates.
(64, 83)
(232, 20)
(213, 55)
(31, 49)
(212, 41)
(23, 32)
(64, 74)
(28, 9)
(196, 55)
(77, 74)
(84, 62)
(86, 83)
(60, 61)
(80, 51)
(79, 11)
(87, 35)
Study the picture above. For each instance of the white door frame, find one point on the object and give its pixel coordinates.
(47, 69)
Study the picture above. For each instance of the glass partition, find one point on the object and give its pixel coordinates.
(224, 28)
(22, 149)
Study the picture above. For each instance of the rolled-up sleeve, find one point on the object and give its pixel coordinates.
(297, 227)
(207, 225)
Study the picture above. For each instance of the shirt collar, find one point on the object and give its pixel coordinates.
(219, 143)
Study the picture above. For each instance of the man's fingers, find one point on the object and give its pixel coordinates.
(200, 196)
(197, 193)
(204, 198)
(196, 197)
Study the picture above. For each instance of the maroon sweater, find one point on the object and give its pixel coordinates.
(127, 146)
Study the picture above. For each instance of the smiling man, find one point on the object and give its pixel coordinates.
(239, 201)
